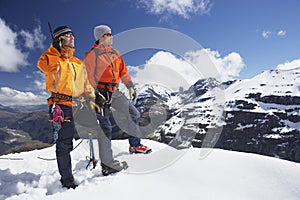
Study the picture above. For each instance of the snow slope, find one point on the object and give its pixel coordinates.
(272, 82)
(166, 173)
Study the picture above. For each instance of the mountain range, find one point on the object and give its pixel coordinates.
(258, 115)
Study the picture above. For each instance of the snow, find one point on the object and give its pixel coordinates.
(274, 82)
(166, 173)
(240, 127)
(13, 132)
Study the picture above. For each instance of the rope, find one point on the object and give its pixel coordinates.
(78, 144)
(11, 158)
(47, 159)
(50, 159)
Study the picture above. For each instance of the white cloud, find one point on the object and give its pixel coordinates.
(11, 56)
(39, 85)
(289, 65)
(281, 33)
(167, 69)
(34, 39)
(39, 81)
(266, 34)
(11, 97)
(222, 68)
(183, 8)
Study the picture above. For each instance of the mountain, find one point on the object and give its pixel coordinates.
(9, 115)
(31, 108)
(258, 115)
(166, 173)
(22, 130)
(36, 124)
(263, 114)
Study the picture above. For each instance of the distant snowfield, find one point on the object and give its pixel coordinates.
(166, 173)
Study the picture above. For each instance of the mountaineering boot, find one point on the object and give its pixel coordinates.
(68, 183)
(139, 149)
(115, 167)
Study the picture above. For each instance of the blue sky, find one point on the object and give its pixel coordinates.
(241, 37)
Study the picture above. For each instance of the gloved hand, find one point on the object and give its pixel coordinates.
(94, 106)
(132, 93)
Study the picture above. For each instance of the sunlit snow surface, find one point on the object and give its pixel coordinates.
(165, 173)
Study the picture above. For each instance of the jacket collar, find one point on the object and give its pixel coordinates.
(103, 48)
(67, 52)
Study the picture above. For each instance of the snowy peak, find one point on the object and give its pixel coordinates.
(259, 115)
(268, 83)
(265, 91)
(155, 93)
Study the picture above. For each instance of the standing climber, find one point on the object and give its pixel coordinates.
(106, 68)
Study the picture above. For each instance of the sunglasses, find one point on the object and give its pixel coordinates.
(107, 34)
(68, 35)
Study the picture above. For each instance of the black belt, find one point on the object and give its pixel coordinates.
(108, 84)
(61, 96)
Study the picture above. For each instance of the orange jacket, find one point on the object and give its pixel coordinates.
(109, 67)
(64, 74)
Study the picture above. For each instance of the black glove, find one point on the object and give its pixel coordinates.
(100, 99)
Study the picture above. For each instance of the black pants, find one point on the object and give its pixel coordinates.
(64, 143)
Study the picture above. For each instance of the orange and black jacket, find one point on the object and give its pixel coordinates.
(106, 67)
(64, 74)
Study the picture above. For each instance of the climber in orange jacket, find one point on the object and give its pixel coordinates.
(65, 75)
(106, 68)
